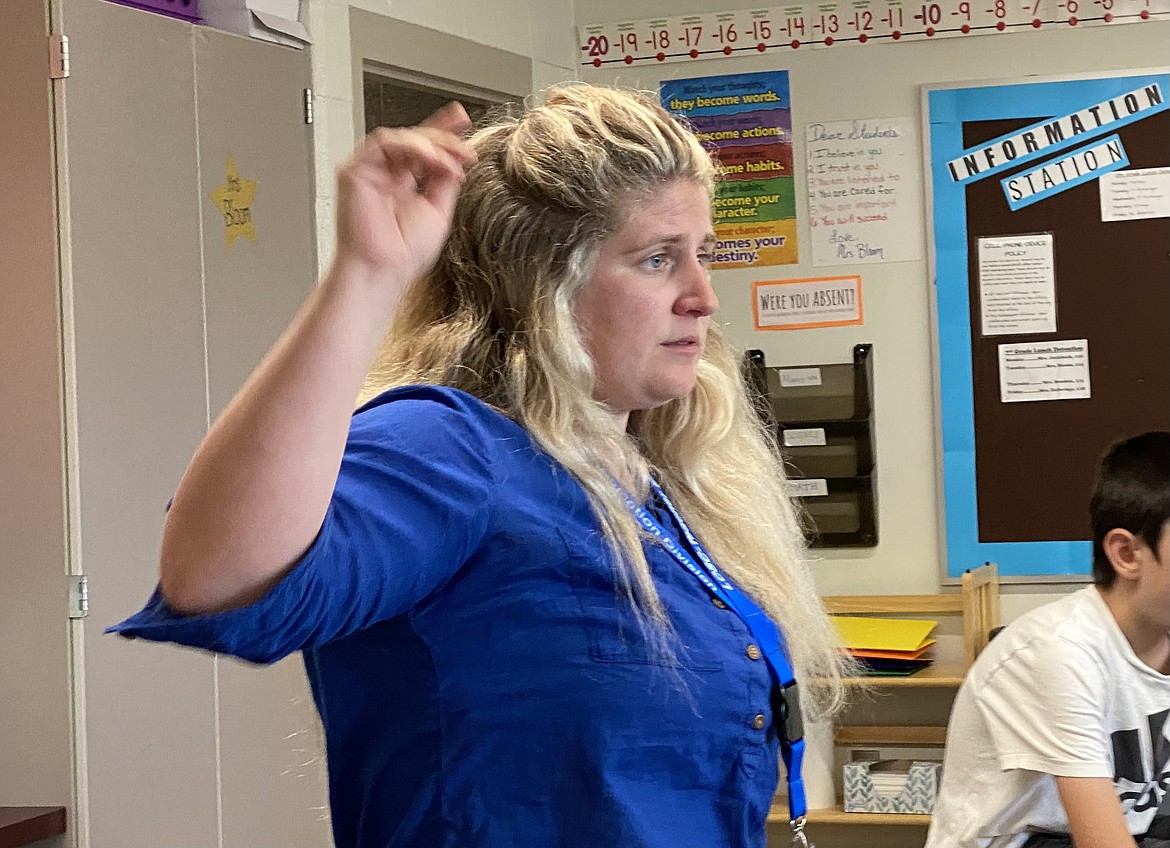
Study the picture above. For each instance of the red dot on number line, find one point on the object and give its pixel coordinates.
(1035, 23)
(795, 43)
(761, 47)
(629, 60)
(661, 57)
(1145, 15)
(1072, 21)
(895, 35)
(863, 38)
(694, 53)
(929, 32)
(1001, 26)
(965, 28)
(727, 50)
(829, 41)
(1108, 17)
(597, 63)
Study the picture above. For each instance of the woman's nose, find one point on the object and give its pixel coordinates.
(698, 296)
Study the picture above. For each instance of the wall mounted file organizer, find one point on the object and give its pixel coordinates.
(822, 416)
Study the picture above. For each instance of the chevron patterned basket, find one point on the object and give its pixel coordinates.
(915, 794)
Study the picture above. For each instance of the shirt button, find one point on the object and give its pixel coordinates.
(718, 602)
(753, 652)
(759, 721)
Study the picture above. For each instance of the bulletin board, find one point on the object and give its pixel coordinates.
(1068, 174)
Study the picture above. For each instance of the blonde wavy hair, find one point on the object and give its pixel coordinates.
(494, 318)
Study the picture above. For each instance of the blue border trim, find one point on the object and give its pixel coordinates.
(947, 110)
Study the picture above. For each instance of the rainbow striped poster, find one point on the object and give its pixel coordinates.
(747, 121)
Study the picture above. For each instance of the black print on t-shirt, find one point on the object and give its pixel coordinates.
(1135, 782)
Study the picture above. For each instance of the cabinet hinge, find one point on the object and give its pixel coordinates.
(78, 596)
(308, 105)
(58, 56)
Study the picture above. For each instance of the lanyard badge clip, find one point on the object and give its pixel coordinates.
(799, 839)
(786, 708)
(789, 720)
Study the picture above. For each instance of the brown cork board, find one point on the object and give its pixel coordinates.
(1034, 461)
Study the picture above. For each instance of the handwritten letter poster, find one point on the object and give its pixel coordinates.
(864, 196)
(745, 119)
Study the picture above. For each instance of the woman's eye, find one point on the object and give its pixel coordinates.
(656, 262)
(704, 258)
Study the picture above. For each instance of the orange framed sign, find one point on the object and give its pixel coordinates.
(807, 303)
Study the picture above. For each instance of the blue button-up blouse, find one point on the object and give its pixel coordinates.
(480, 680)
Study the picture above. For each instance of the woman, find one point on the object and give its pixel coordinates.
(512, 635)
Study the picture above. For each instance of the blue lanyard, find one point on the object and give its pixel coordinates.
(785, 701)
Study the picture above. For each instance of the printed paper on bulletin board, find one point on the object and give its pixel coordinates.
(1017, 160)
(746, 120)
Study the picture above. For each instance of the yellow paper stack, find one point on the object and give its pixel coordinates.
(888, 647)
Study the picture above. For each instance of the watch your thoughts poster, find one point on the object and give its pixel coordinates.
(745, 119)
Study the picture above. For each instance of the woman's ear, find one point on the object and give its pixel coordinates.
(1123, 549)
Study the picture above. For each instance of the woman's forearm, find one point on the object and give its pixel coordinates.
(255, 494)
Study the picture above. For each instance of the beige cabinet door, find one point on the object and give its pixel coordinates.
(165, 319)
(147, 764)
(259, 265)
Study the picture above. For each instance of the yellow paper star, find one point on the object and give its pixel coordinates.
(234, 200)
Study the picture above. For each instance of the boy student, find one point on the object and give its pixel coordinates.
(1059, 734)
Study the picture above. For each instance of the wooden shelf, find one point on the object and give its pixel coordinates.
(837, 815)
(938, 675)
(898, 604)
(977, 604)
(910, 736)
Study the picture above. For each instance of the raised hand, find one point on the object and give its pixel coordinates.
(258, 488)
(396, 196)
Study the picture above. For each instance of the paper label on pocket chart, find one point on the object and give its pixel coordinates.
(791, 378)
(804, 437)
(815, 488)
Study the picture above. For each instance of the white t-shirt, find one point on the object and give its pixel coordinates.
(1058, 692)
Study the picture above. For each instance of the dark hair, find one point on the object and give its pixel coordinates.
(1131, 492)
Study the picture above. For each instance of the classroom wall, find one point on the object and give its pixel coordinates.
(880, 81)
(540, 30)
